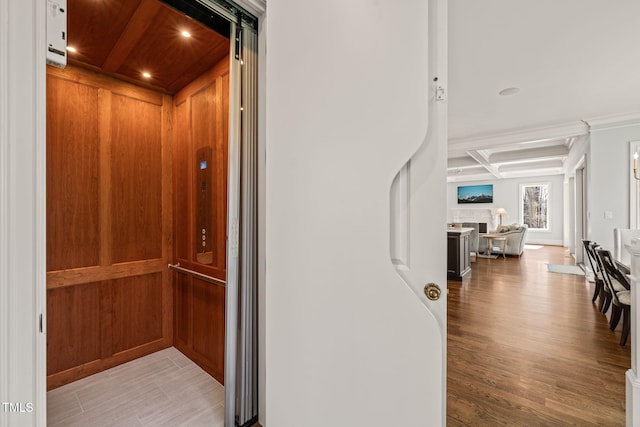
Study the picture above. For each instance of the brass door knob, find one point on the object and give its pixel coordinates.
(432, 291)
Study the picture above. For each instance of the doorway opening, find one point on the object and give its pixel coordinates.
(150, 165)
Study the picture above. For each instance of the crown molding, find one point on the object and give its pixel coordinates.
(614, 121)
(552, 152)
(547, 133)
(471, 178)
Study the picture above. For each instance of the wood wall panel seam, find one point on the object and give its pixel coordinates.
(181, 193)
(106, 233)
(167, 214)
(106, 319)
(167, 150)
(79, 276)
(189, 186)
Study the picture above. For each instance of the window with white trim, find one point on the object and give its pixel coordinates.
(534, 206)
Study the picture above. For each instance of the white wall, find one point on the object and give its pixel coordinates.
(506, 194)
(575, 197)
(608, 181)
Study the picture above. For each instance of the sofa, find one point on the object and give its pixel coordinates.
(515, 234)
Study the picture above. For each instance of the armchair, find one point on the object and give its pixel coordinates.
(515, 234)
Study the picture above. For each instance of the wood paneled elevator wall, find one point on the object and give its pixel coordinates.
(119, 179)
(201, 121)
(109, 223)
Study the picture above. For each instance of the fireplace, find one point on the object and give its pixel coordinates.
(483, 216)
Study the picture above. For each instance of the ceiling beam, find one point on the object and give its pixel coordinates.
(461, 162)
(459, 146)
(478, 157)
(484, 176)
(130, 37)
(544, 164)
(517, 156)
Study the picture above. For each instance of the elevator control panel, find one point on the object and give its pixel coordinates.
(204, 205)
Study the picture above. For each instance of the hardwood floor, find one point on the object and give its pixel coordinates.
(528, 347)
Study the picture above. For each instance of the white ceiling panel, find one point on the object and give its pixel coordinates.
(573, 60)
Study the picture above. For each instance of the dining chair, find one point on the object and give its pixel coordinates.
(609, 288)
(620, 294)
(597, 275)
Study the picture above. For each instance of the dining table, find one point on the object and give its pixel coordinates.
(622, 258)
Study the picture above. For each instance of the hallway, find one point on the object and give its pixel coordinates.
(528, 347)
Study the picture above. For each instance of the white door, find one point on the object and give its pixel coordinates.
(351, 339)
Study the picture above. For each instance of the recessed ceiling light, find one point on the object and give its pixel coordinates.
(509, 91)
(146, 75)
(71, 49)
(186, 34)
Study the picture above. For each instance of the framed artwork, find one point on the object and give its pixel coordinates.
(475, 194)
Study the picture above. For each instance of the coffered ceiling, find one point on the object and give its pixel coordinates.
(516, 159)
(573, 61)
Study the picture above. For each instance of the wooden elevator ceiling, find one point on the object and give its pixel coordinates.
(125, 38)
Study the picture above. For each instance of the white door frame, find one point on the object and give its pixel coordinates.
(22, 213)
(634, 188)
(571, 187)
(579, 214)
(23, 209)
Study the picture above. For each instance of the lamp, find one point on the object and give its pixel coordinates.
(500, 212)
(635, 166)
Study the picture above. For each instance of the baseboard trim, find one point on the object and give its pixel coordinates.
(75, 373)
(632, 396)
(546, 242)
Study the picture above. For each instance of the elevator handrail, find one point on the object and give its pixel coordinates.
(193, 273)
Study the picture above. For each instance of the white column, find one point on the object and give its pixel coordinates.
(633, 382)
